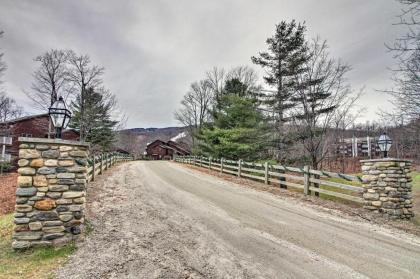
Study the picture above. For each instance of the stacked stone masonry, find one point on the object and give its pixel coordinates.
(387, 187)
(50, 195)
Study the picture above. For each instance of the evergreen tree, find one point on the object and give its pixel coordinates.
(238, 128)
(284, 60)
(97, 122)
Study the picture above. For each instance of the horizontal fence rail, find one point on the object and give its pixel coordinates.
(338, 185)
(99, 163)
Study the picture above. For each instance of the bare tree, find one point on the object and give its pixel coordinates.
(406, 50)
(83, 75)
(8, 108)
(195, 107)
(50, 79)
(3, 66)
(321, 96)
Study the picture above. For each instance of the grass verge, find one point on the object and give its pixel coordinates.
(32, 263)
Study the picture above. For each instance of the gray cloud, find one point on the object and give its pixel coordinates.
(153, 50)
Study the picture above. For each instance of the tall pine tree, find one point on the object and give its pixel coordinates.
(97, 122)
(285, 58)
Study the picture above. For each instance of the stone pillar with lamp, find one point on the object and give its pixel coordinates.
(387, 184)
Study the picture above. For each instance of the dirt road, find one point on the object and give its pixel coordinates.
(162, 220)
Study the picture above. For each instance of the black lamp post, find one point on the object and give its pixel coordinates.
(384, 143)
(60, 116)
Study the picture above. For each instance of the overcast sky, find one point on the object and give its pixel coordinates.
(152, 50)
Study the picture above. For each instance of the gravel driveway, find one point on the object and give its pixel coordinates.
(162, 220)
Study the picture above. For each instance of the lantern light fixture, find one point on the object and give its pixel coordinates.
(384, 143)
(60, 116)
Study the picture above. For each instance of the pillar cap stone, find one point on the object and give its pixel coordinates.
(53, 141)
(386, 160)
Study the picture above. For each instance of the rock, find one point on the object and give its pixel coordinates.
(37, 163)
(58, 188)
(40, 194)
(75, 230)
(42, 189)
(55, 229)
(81, 162)
(26, 171)
(62, 208)
(81, 200)
(20, 221)
(26, 192)
(366, 168)
(72, 195)
(64, 148)
(21, 228)
(78, 215)
(20, 245)
(64, 201)
(75, 207)
(65, 181)
(19, 214)
(66, 175)
(52, 223)
(21, 200)
(371, 196)
(23, 163)
(66, 163)
(23, 208)
(46, 170)
(54, 195)
(76, 169)
(66, 217)
(377, 203)
(51, 163)
(24, 181)
(80, 181)
(46, 204)
(29, 235)
(51, 154)
(368, 178)
(42, 147)
(61, 169)
(40, 181)
(77, 187)
(64, 155)
(52, 236)
(47, 216)
(35, 226)
(78, 153)
(29, 154)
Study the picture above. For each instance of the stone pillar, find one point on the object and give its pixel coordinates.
(51, 189)
(387, 187)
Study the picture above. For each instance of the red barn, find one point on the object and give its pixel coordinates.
(29, 126)
(160, 150)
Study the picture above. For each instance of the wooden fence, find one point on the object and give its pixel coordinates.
(99, 163)
(343, 186)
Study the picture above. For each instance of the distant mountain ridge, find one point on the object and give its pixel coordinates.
(143, 136)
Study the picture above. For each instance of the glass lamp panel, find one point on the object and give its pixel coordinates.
(66, 121)
(59, 119)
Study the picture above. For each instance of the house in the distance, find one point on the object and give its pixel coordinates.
(161, 150)
(35, 126)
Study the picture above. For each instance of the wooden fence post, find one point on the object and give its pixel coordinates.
(266, 172)
(239, 167)
(201, 161)
(93, 169)
(221, 165)
(209, 163)
(102, 163)
(306, 176)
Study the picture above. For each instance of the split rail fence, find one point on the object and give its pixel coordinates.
(99, 163)
(343, 186)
